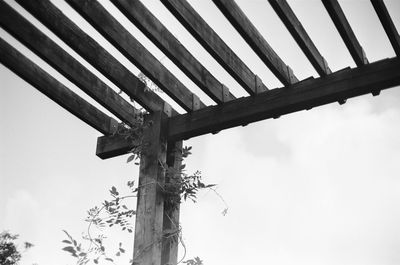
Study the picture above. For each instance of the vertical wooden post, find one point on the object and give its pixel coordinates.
(171, 212)
(150, 204)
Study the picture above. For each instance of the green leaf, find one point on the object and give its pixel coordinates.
(114, 191)
(130, 158)
(69, 249)
(67, 241)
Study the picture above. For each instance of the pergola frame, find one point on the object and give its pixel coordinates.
(169, 128)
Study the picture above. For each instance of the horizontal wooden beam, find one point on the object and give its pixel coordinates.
(342, 25)
(112, 146)
(49, 51)
(128, 45)
(256, 41)
(139, 15)
(298, 32)
(218, 49)
(336, 87)
(387, 24)
(48, 14)
(45, 83)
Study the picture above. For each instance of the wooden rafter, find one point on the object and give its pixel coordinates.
(53, 54)
(166, 128)
(298, 32)
(256, 41)
(304, 95)
(210, 40)
(139, 15)
(342, 25)
(387, 24)
(45, 83)
(89, 49)
(114, 32)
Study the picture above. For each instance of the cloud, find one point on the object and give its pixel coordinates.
(20, 210)
(335, 201)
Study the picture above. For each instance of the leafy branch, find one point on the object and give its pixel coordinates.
(179, 185)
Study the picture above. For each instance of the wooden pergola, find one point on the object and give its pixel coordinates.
(169, 128)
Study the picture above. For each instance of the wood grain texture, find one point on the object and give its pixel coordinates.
(210, 40)
(112, 146)
(50, 52)
(305, 95)
(387, 24)
(274, 103)
(346, 32)
(143, 19)
(150, 204)
(45, 83)
(298, 32)
(171, 212)
(90, 50)
(256, 41)
(116, 34)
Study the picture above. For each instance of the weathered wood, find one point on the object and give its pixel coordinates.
(45, 83)
(304, 95)
(274, 103)
(90, 50)
(345, 31)
(150, 205)
(210, 40)
(114, 32)
(171, 212)
(256, 41)
(49, 51)
(139, 15)
(112, 146)
(387, 24)
(298, 32)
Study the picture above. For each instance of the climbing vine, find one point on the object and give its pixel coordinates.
(114, 212)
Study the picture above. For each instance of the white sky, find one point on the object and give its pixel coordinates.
(315, 187)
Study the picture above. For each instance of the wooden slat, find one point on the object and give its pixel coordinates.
(139, 15)
(210, 40)
(114, 32)
(45, 83)
(150, 203)
(298, 32)
(304, 95)
(345, 31)
(90, 50)
(387, 24)
(256, 41)
(49, 51)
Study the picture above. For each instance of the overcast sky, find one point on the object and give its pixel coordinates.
(314, 187)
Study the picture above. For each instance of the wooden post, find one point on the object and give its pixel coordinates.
(152, 219)
(150, 204)
(171, 212)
